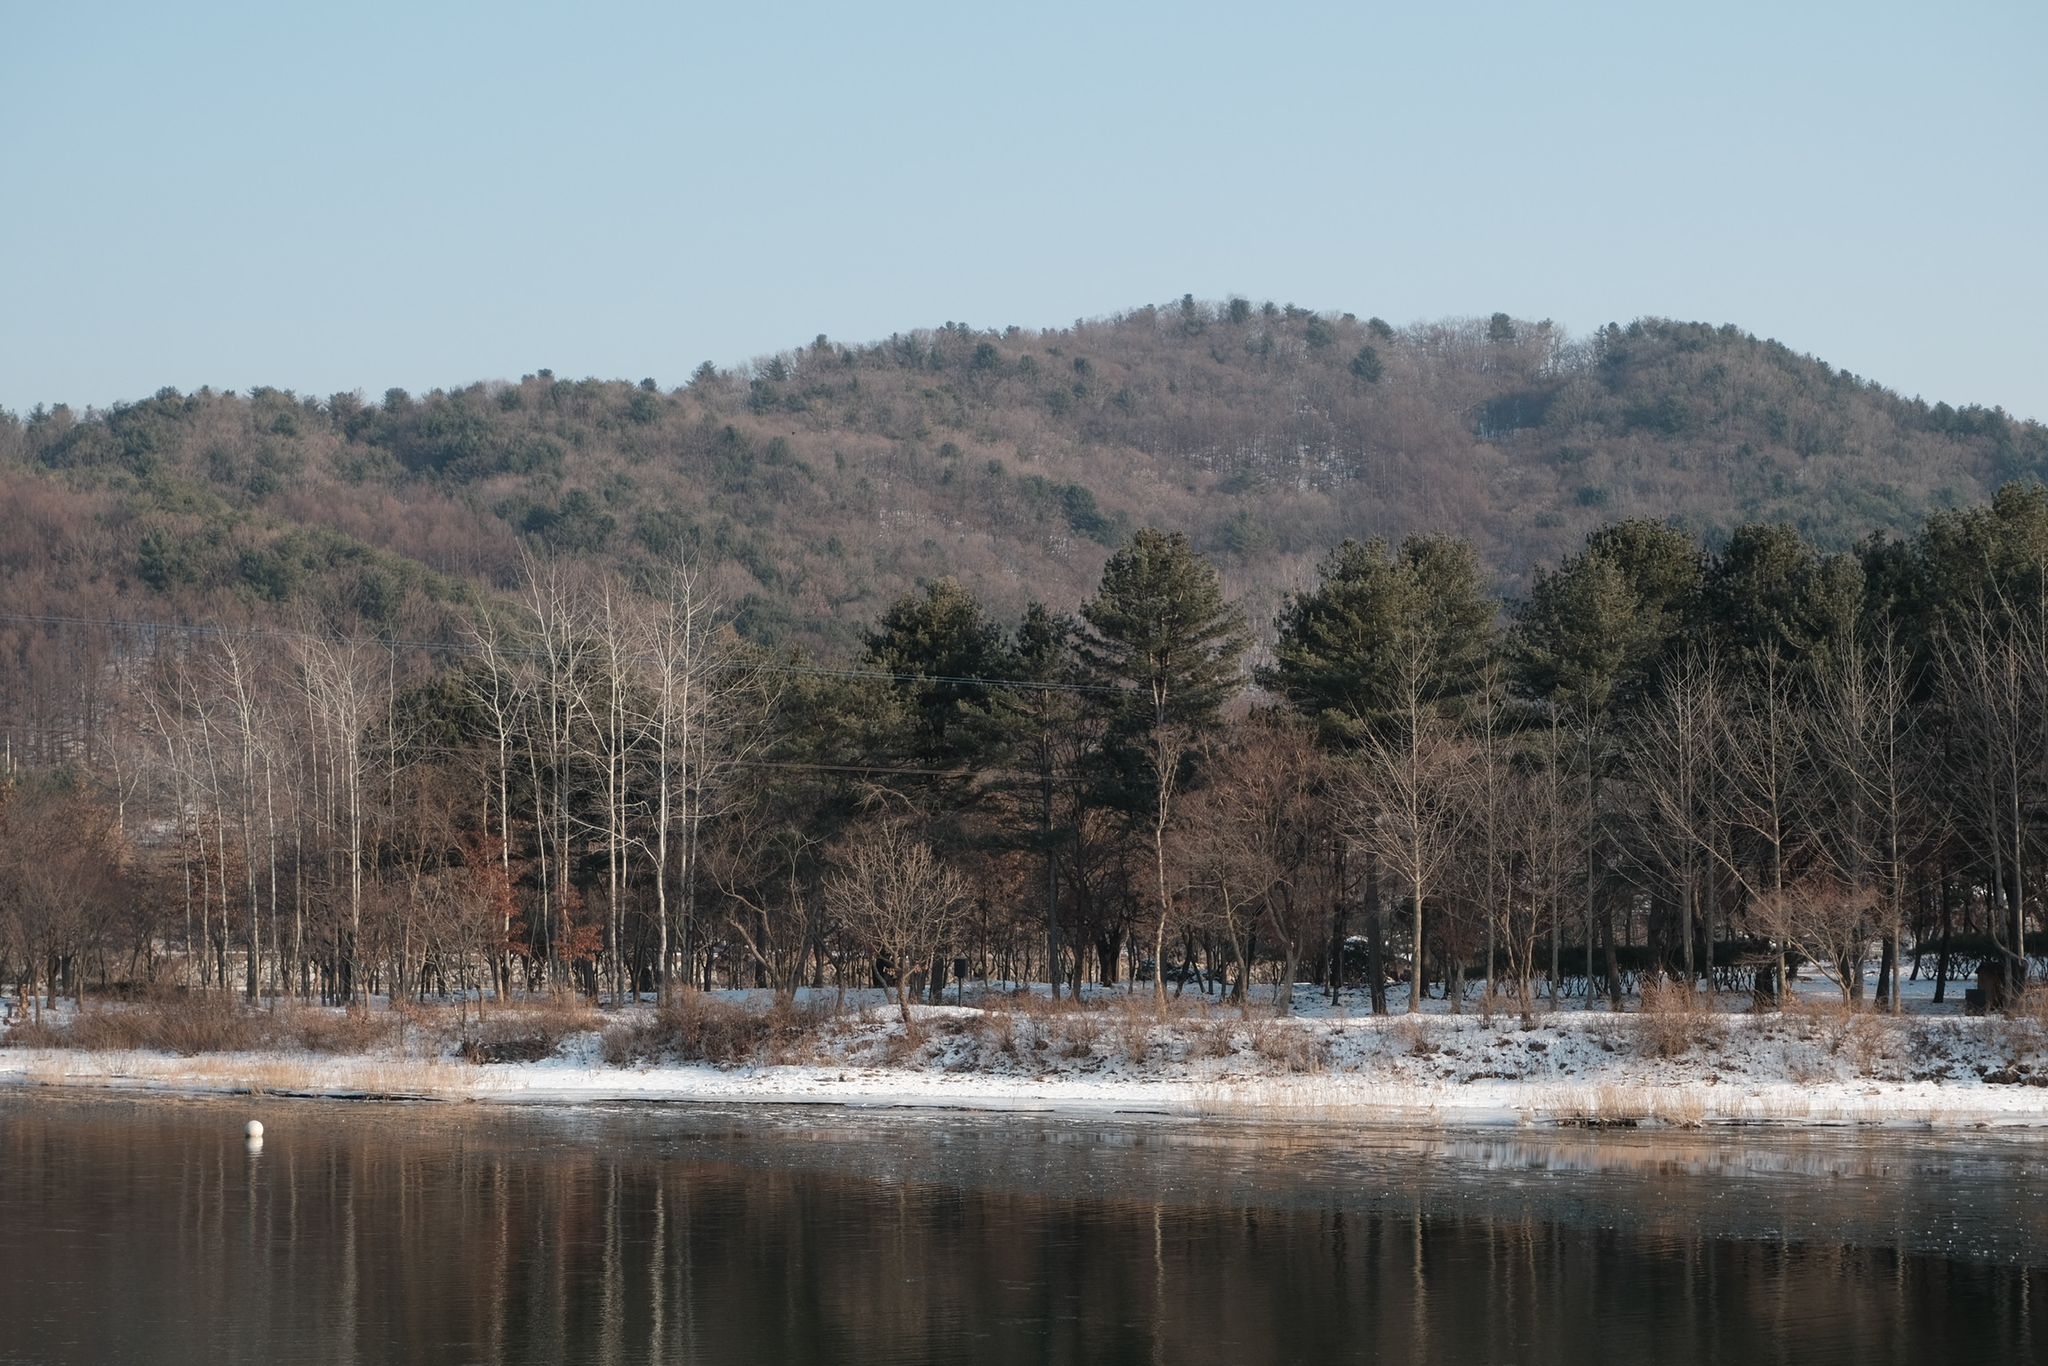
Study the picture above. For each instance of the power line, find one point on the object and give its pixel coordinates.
(214, 631)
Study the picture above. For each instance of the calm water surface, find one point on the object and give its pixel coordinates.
(145, 1232)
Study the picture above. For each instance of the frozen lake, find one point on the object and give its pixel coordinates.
(146, 1231)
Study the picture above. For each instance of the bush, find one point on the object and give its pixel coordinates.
(357, 1029)
(1078, 1033)
(999, 1030)
(1674, 1018)
(175, 1022)
(528, 1033)
(1132, 1025)
(697, 1028)
(2021, 1033)
(1290, 1047)
(191, 1022)
(1413, 1034)
(1210, 1039)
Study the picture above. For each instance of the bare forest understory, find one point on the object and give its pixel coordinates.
(1683, 1060)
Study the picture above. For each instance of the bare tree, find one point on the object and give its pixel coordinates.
(550, 599)
(694, 695)
(606, 744)
(497, 688)
(1673, 763)
(1988, 685)
(1491, 769)
(344, 683)
(1827, 922)
(1761, 750)
(765, 868)
(1243, 841)
(1166, 747)
(61, 879)
(1861, 730)
(1407, 804)
(891, 893)
(1542, 835)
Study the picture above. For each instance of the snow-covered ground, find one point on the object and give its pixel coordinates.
(1808, 1067)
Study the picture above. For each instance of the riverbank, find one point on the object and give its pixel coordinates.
(1678, 1067)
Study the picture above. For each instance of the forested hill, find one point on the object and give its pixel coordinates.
(820, 483)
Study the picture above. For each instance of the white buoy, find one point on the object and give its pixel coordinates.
(253, 1129)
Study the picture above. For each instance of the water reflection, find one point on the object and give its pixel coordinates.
(149, 1232)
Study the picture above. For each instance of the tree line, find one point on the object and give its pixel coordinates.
(1666, 763)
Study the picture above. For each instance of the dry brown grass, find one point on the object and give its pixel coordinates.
(1673, 1020)
(1413, 1036)
(529, 1031)
(1031, 1006)
(1077, 1033)
(698, 1028)
(1211, 1039)
(1868, 1040)
(191, 1023)
(1131, 1025)
(2021, 1033)
(320, 1029)
(999, 1031)
(1288, 1046)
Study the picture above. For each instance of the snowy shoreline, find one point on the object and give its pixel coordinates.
(1573, 1069)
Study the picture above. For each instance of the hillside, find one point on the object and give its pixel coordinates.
(823, 481)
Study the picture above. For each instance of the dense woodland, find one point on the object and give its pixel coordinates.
(595, 688)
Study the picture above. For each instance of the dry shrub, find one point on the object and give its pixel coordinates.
(1672, 1020)
(2021, 1033)
(1031, 1006)
(1814, 1018)
(1077, 1033)
(1211, 1039)
(699, 1028)
(1411, 1032)
(322, 1029)
(191, 1023)
(185, 1023)
(527, 1033)
(1863, 1038)
(1870, 1042)
(999, 1031)
(33, 1033)
(1131, 1023)
(1290, 1047)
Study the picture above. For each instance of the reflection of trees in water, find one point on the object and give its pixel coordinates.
(416, 1237)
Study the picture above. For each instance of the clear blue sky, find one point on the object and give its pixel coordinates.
(359, 196)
